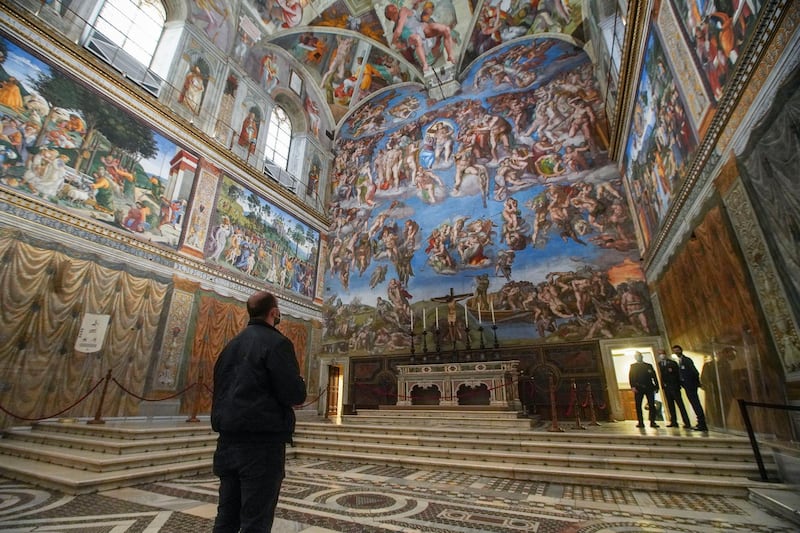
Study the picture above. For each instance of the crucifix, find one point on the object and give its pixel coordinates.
(450, 300)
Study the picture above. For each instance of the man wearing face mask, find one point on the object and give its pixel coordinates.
(256, 382)
(671, 384)
(690, 381)
(644, 384)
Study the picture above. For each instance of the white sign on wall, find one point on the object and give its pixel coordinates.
(92, 334)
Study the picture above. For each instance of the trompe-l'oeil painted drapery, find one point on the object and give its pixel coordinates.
(218, 321)
(45, 294)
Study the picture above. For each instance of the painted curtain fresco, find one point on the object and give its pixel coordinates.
(251, 236)
(660, 144)
(497, 205)
(770, 169)
(716, 32)
(62, 143)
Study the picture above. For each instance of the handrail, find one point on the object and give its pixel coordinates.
(743, 405)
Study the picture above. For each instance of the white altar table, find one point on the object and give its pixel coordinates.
(448, 378)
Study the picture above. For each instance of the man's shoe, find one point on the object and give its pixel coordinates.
(673, 426)
(639, 425)
(700, 428)
(687, 426)
(654, 425)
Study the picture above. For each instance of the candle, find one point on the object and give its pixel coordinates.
(412, 320)
(491, 307)
(437, 318)
(479, 314)
(424, 325)
(465, 312)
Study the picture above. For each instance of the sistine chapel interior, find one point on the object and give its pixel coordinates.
(558, 183)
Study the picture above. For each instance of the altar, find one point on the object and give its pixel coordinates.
(449, 384)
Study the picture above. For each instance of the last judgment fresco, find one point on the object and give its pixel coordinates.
(497, 207)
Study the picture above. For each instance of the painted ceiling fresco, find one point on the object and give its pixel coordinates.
(496, 206)
(350, 49)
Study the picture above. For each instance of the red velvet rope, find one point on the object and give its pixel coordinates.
(153, 399)
(6, 411)
(312, 401)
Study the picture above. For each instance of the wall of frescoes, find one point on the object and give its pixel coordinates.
(74, 152)
(498, 205)
(691, 50)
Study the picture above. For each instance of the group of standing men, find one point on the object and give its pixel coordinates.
(674, 376)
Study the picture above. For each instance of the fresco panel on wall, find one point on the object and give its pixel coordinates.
(660, 143)
(62, 143)
(251, 236)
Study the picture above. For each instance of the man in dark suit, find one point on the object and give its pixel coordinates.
(671, 385)
(690, 381)
(644, 384)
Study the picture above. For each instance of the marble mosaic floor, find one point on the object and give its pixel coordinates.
(323, 496)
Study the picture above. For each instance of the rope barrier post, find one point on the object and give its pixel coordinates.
(590, 403)
(553, 410)
(98, 414)
(574, 401)
(196, 397)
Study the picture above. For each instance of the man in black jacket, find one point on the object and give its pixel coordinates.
(256, 382)
(671, 384)
(644, 384)
(690, 381)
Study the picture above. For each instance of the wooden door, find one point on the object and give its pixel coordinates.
(334, 375)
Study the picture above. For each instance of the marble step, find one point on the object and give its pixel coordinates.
(631, 479)
(440, 421)
(672, 449)
(654, 438)
(128, 429)
(783, 501)
(441, 412)
(702, 466)
(106, 444)
(74, 481)
(94, 461)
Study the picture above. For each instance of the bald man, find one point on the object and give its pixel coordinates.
(256, 382)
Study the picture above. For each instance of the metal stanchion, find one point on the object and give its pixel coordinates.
(590, 404)
(98, 414)
(553, 408)
(196, 397)
(574, 401)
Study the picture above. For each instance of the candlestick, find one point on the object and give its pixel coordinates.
(424, 325)
(479, 314)
(491, 307)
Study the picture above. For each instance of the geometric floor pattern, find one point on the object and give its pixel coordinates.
(325, 496)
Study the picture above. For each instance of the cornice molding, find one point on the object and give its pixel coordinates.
(628, 79)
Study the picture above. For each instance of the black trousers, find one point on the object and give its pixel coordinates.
(673, 396)
(694, 400)
(651, 405)
(250, 477)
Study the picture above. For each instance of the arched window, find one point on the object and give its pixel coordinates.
(133, 25)
(279, 138)
(126, 34)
